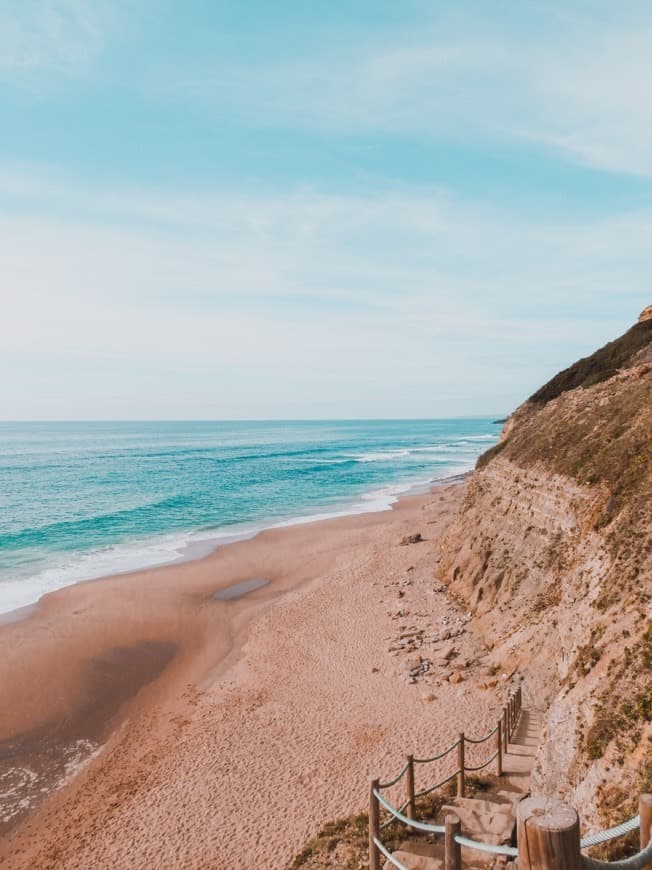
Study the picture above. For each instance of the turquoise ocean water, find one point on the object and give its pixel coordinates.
(82, 500)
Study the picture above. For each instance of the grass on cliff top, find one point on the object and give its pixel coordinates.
(600, 366)
(601, 435)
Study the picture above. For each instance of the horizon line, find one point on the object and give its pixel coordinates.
(500, 417)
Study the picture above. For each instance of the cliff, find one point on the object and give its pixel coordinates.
(552, 551)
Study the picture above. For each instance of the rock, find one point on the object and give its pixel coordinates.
(646, 314)
(456, 678)
(428, 698)
(412, 539)
(412, 633)
(447, 652)
(375, 670)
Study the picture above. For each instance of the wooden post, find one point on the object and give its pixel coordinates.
(512, 717)
(645, 812)
(499, 749)
(411, 809)
(460, 765)
(505, 735)
(452, 850)
(374, 826)
(548, 835)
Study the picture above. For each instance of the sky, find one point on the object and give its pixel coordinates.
(359, 208)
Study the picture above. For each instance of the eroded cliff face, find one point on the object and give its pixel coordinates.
(552, 551)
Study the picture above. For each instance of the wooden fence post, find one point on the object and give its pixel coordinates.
(499, 749)
(505, 734)
(411, 809)
(645, 812)
(452, 850)
(510, 720)
(460, 765)
(374, 826)
(548, 835)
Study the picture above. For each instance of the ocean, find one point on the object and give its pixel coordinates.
(83, 500)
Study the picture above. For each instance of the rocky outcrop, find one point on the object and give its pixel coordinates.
(552, 551)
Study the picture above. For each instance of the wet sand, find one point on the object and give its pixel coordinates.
(222, 733)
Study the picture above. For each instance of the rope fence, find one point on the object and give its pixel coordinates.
(503, 731)
(611, 834)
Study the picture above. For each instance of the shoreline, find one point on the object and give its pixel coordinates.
(324, 593)
(198, 548)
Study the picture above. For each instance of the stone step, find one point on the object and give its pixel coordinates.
(417, 855)
(495, 803)
(483, 820)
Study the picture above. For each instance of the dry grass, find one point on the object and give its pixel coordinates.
(600, 366)
(344, 844)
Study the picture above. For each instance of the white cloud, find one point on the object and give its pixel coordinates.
(49, 34)
(412, 296)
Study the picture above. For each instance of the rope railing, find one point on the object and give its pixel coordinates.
(559, 846)
(412, 823)
(482, 739)
(401, 809)
(388, 855)
(482, 766)
(441, 784)
(611, 833)
(397, 778)
(510, 851)
(437, 757)
(406, 813)
(640, 861)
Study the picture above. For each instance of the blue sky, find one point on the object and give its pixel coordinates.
(224, 210)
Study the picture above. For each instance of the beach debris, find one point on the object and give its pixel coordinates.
(416, 538)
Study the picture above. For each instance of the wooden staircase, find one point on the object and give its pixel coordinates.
(490, 815)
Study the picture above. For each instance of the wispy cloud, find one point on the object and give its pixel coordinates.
(578, 85)
(308, 293)
(60, 35)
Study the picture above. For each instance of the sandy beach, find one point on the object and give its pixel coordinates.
(147, 723)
